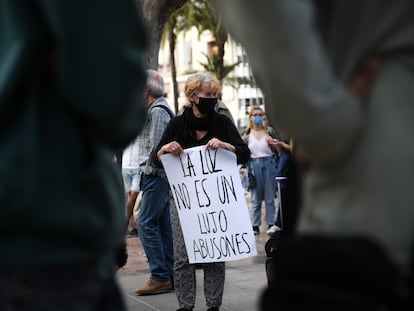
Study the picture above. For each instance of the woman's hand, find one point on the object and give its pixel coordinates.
(278, 145)
(272, 142)
(173, 147)
(215, 143)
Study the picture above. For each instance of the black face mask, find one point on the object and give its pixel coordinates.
(206, 105)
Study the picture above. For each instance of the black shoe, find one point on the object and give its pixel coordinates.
(256, 230)
(183, 309)
(213, 309)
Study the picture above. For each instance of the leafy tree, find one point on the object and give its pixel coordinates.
(157, 13)
(181, 15)
(211, 64)
(177, 22)
(202, 15)
(205, 18)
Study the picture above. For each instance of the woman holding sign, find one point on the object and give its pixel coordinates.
(198, 125)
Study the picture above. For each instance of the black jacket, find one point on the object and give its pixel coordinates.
(179, 129)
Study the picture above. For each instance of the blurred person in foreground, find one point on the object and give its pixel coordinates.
(198, 125)
(70, 91)
(339, 77)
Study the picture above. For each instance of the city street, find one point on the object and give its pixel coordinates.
(245, 280)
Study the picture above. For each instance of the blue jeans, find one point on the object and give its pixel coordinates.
(265, 173)
(154, 227)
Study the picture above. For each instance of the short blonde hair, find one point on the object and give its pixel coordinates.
(196, 80)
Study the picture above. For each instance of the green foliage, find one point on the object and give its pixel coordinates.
(211, 65)
(202, 15)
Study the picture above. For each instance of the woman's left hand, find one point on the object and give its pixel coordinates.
(273, 143)
(215, 143)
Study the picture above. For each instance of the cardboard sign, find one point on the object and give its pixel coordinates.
(211, 205)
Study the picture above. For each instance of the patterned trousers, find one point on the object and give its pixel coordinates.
(185, 273)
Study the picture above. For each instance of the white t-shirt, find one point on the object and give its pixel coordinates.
(259, 148)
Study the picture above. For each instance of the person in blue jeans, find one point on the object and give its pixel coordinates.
(154, 231)
(283, 164)
(153, 223)
(262, 143)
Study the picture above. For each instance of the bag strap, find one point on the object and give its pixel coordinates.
(151, 155)
(168, 110)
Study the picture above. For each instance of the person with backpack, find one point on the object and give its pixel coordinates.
(154, 226)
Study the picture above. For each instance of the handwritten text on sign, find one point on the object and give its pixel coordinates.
(211, 205)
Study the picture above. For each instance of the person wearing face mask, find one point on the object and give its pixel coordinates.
(199, 124)
(262, 141)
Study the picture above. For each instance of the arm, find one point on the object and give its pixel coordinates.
(167, 137)
(278, 145)
(318, 112)
(159, 122)
(216, 143)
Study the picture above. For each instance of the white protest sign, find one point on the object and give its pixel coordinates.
(211, 205)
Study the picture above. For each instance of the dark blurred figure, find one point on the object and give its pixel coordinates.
(71, 75)
(338, 77)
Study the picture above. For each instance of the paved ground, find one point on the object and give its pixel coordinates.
(245, 280)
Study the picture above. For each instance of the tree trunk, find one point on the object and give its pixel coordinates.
(156, 14)
(221, 41)
(172, 39)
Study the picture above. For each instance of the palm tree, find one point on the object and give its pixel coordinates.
(177, 22)
(202, 15)
(156, 14)
(205, 18)
(211, 65)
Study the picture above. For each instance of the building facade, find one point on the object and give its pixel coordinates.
(191, 50)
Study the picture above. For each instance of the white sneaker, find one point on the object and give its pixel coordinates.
(273, 229)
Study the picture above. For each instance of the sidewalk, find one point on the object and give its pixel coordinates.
(245, 281)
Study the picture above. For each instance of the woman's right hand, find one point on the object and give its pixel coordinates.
(173, 147)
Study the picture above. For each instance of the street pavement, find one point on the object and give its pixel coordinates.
(245, 281)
